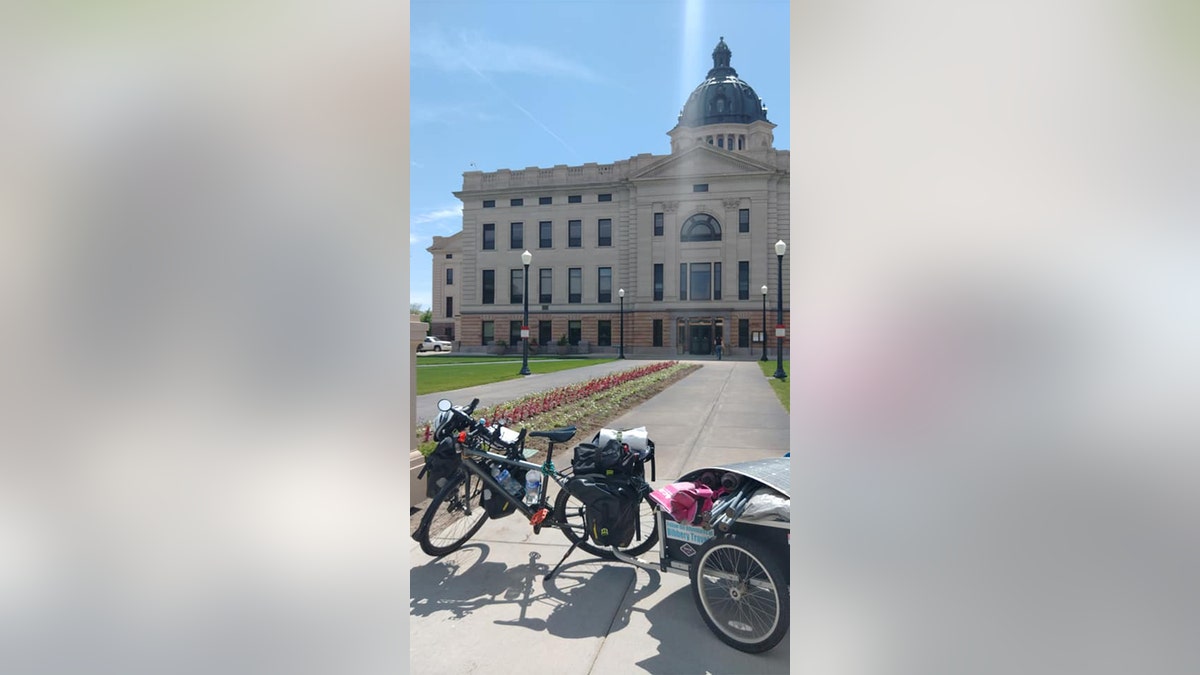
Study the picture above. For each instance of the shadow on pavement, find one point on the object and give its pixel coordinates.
(686, 645)
(588, 598)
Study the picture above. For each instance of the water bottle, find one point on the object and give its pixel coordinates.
(506, 481)
(533, 484)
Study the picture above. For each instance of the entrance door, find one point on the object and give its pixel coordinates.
(701, 339)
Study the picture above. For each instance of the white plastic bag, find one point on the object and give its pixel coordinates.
(634, 438)
(767, 504)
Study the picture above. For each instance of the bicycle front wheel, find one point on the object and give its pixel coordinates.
(569, 512)
(453, 517)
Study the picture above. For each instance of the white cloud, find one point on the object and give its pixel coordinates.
(467, 51)
(437, 215)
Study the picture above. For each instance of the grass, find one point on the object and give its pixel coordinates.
(780, 386)
(468, 372)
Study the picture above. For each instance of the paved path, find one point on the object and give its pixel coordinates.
(486, 606)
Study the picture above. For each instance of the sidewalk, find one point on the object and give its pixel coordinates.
(486, 607)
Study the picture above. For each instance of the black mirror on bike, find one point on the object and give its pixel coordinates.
(471, 408)
(444, 404)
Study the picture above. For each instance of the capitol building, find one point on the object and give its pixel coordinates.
(688, 236)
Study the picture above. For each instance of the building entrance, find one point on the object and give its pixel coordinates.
(698, 335)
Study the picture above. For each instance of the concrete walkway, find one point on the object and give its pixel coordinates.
(486, 608)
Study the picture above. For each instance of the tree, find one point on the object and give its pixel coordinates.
(427, 317)
(415, 307)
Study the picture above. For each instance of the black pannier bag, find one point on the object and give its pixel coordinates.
(610, 506)
(495, 504)
(611, 459)
(440, 465)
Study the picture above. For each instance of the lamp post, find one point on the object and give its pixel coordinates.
(621, 295)
(764, 323)
(526, 258)
(780, 249)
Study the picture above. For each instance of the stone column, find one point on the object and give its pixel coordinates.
(416, 460)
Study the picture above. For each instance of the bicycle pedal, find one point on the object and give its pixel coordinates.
(539, 516)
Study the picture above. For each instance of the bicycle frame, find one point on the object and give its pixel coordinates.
(494, 485)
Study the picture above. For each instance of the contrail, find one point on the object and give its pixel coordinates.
(518, 106)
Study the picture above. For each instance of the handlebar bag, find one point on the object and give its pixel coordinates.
(440, 465)
(610, 506)
(610, 459)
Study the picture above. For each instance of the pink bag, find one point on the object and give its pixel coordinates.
(685, 502)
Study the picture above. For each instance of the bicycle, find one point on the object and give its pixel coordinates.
(457, 511)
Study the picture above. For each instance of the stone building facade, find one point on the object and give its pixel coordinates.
(689, 236)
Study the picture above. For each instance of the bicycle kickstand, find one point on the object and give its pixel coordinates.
(560, 562)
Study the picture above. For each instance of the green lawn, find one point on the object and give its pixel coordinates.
(780, 386)
(468, 372)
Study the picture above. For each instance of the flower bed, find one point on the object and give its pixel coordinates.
(611, 389)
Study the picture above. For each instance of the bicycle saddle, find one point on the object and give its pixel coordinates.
(557, 435)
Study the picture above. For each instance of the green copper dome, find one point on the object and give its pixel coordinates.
(722, 98)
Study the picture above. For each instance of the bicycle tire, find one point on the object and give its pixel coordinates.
(439, 532)
(570, 520)
(758, 593)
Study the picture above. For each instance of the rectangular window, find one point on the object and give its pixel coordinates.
(700, 187)
(516, 235)
(542, 201)
(489, 236)
(545, 234)
(489, 332)
(449, 256)
(604, 285)
(658, 281)
(604, 333)
(743, 332)
(449, 308)
(514, 332)
(716, 281)
(743, 220)
(489, 287)
(489, 203)
(604, 198)
(574, 332)
(743, 280)
(515, 293)
(700, 281)
(516, 202)
(449, 276)
(683, 281)
(575, 285)
(658, 224)
(657, 333)
(574, 233)
(545, 332)
(574, 199)
(545, 285)
(604, 232)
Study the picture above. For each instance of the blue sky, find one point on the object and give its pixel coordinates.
(511, 84)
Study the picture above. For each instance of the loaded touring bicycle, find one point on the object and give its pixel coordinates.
(725, 526)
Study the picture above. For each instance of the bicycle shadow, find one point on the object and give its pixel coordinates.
(586, 598)
(686, 645)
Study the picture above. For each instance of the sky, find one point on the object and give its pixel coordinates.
(512, 84)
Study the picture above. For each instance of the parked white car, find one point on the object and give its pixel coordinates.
(432, 344)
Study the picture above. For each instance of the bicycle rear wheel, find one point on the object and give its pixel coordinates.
(569, 512)
(453, 517)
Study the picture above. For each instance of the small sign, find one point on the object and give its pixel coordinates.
(780, 331)
(525, 332)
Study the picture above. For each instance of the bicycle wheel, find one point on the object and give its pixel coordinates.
(741, 592)
(453, 517)
(569, 512)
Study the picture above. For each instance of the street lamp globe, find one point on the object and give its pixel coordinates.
(620, 292)
(764, 289)
(780, 247)
(527, 257)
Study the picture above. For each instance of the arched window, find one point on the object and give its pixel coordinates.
(700, 227)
